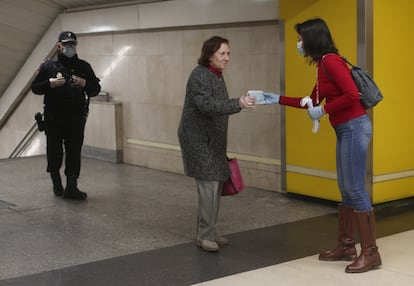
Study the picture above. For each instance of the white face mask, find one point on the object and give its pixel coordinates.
(69, 51)
(299, 46)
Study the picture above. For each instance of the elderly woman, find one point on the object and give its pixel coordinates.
(203, 135)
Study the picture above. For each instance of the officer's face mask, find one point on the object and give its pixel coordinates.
(69, 50)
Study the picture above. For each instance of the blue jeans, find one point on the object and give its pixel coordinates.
(352, 140)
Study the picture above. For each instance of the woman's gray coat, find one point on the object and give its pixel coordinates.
(203, 127)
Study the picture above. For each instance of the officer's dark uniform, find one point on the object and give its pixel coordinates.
(65, 112)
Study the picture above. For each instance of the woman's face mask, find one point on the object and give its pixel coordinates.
(299, 46)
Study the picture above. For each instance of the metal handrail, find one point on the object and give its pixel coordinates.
(30, 134)
(19, 98)
(26, 140)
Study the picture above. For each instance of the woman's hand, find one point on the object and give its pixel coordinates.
(316, 112)
(247, 102)
(271, 98)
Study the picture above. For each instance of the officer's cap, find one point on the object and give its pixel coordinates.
(67, 36)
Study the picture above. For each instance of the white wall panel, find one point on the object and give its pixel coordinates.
(203, 12)
(102, 20)
(26, 72)
(145, 101)
(170, 14)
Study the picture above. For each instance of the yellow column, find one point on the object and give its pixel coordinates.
(393, 153)
(310, 158)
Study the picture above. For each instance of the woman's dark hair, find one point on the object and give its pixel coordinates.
(210, 46)
(316, 38)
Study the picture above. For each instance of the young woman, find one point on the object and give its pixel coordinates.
(337, 90)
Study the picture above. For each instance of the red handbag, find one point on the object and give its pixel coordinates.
(234, 183)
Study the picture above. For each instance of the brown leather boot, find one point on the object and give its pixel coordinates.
(345, 249)
(369, 257)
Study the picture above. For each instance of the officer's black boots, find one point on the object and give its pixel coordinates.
(72, 191)
(57, 183)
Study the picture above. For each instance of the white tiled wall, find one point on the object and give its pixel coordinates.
(144, 59)
(147, 71)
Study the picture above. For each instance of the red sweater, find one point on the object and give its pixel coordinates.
(338, 89)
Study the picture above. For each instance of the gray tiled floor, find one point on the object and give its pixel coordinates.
(129, 210)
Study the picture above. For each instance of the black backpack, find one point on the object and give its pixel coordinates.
(370, 95)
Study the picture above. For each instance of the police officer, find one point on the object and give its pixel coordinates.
(67, 82)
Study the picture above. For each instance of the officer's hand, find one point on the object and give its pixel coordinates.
(57, 81)
(78, 81)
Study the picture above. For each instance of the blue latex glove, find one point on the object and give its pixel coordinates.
(271, 98)
(316, 112)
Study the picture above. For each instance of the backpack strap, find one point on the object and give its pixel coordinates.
(345, 60)
(325, 71)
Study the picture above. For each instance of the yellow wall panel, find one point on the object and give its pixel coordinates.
(393, 190)
(393, 64)
(313, 186)
(393, 135)
(304, 148)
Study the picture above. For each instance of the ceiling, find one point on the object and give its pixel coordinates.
(23, 23)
